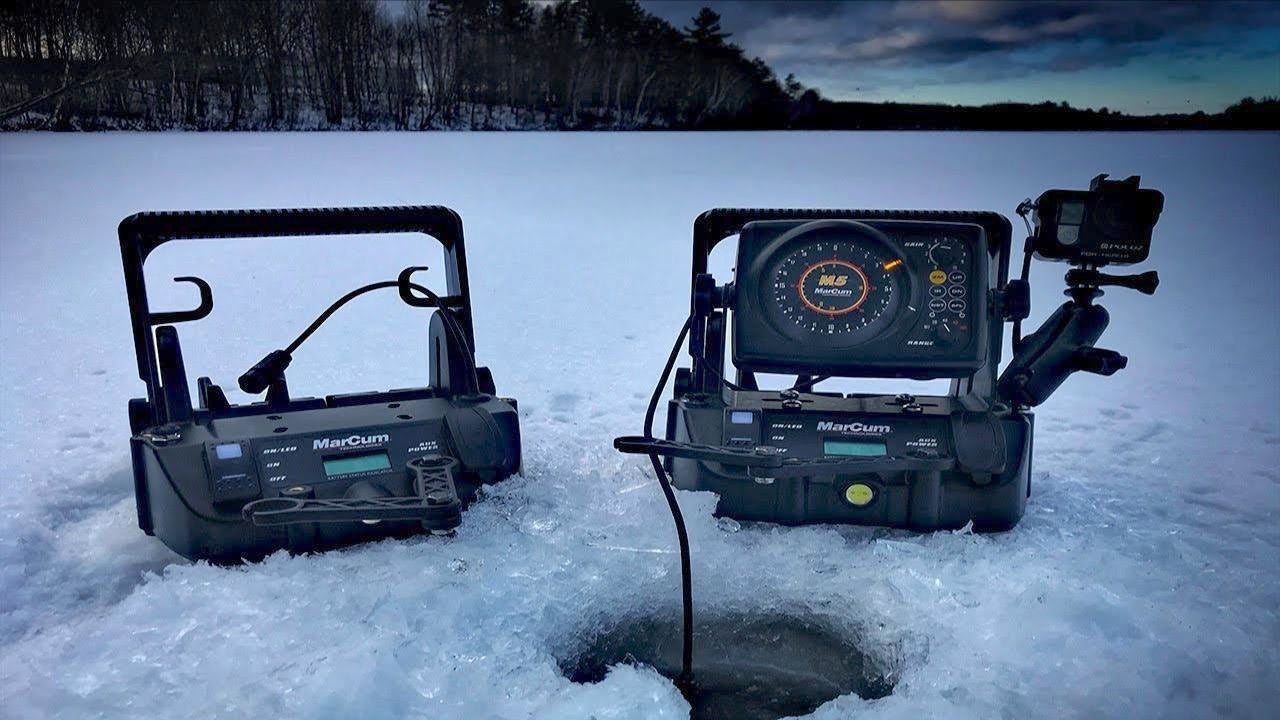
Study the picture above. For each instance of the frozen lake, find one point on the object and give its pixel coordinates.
(1144, 580)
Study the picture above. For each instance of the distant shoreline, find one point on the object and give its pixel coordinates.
(821, 115)
(641, 131)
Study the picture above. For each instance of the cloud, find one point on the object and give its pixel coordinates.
(1135, 55)
(1044, 35)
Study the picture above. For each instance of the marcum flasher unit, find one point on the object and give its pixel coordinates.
(873, 297)
(881, 294)
(857, 293)
(227, 482)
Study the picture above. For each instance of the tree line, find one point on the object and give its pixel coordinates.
(1247, 114)
(417, 64)
(456, 64)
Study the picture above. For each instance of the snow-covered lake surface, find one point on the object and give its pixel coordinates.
(1143, 582)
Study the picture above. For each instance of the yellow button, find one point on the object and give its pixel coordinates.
(859, 494)
(937, 277)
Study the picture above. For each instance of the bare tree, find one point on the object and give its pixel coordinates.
(363, 63)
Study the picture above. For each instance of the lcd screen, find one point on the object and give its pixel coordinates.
(1071, 213)
(854, 448)
(349, 464)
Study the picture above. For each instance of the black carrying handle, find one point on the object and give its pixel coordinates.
(717, 224)
(149, 230)
(140, 234)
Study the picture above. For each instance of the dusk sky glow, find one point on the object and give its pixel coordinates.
(1137, 57)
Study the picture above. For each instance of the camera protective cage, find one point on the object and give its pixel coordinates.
(1108, 224)
(226, 482)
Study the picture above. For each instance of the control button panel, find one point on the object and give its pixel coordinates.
(947, 262)
(741, 428)
(232, 473)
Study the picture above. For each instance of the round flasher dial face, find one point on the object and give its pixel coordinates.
(834, 286)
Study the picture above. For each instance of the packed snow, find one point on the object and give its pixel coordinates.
(1143, 581)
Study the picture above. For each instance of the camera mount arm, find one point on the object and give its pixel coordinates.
(1064, 344)
(1060, 347)
(1145, 283)
(1110, 223)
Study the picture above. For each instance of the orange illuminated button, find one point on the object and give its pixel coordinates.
(937, 277)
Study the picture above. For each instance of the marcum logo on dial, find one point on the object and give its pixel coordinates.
(853, 427)
(346, 442)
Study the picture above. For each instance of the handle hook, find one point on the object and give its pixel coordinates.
(406, 288)
(201, 311)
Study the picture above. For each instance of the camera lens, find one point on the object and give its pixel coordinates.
(1115, 214)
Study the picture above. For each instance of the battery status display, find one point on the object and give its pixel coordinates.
(854, 448)
(742, 417)
(351, 464)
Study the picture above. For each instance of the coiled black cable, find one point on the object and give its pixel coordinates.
(450, 324)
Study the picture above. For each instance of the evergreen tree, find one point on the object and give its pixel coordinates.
(706, 29)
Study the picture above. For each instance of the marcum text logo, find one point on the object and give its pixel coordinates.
(854, 427)
(346, 442)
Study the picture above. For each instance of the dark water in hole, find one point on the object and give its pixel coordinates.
(746, 667)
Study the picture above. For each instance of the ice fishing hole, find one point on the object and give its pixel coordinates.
(746, 666)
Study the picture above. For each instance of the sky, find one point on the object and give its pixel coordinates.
(1136, 57)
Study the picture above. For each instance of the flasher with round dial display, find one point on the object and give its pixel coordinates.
(834, 284)
(870, 298)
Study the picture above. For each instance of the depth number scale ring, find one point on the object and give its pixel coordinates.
(834, 287)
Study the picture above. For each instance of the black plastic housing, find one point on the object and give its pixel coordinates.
(978, 470)
(1109, 224)
(931, 462)
(229, 482)
(183, 501)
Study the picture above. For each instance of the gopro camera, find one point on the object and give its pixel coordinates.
(1110, 223)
